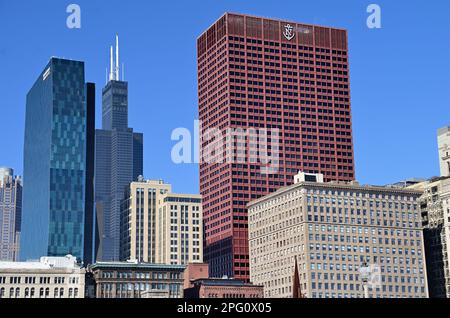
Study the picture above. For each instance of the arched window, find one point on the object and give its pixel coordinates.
(55, 293)
(17, 292)
(32, 292)
(27, 292)
(47, 292)
(11, 292)
(61, 292)
(2, 292)
(41, 292)
(70, 292)
(75, 294)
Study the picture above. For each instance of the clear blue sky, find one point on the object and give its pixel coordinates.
(400, 79)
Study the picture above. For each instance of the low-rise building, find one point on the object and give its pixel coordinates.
(223, 288)
(50, 277)
(197, 284)
(334, 230)
(137, 280)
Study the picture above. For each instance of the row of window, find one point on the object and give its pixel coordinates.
(43, 292)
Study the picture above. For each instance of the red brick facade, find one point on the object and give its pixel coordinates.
(258, 73)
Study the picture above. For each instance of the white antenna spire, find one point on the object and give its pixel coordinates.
(117, 57)
(111, 66)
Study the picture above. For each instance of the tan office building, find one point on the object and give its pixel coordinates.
(50, 277)
(159, 226)
(435, 210)
(333, 229)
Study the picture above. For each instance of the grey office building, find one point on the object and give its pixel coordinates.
(118, 162)
(10, 214)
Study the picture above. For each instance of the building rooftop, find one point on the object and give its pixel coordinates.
(270, 18)
(222, 282)
(334, 185)
(46, 262)
(136, 265)
(443, 130)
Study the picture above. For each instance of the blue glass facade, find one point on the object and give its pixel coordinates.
(55, 149)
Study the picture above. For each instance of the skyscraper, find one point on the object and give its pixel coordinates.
(56, 216)
(118, 161)
(10, 214)
(284, 81)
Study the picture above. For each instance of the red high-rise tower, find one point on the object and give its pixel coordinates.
(263, 74)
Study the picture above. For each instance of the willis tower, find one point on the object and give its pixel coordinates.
(118, 160)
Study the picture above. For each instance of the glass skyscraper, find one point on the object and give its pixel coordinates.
(118, 162)
(58, 162)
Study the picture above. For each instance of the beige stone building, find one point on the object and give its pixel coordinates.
(50, 277)
(333, 229)
(444, 151)
(159, 226)
(435, 211)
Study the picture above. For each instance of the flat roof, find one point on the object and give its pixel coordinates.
(337, 186)
(132, 265)
(268, 18)
(223, 282)
(443, 130)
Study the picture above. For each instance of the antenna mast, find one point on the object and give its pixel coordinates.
(117, 57)
(111, 66)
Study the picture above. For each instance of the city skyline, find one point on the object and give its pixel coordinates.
(367, 54)
(293, 150)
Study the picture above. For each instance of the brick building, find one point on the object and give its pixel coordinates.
(284, 86)
(198, 285)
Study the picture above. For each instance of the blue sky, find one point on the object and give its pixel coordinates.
(399, 74)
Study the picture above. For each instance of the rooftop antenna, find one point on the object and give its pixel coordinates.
(117, 57)
(111, 67)
(123, 72)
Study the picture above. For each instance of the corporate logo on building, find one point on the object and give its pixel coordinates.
(289, 32)
(46, 74)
